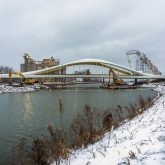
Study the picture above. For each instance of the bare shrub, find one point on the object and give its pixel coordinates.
(142, 102)
(84, 130)
(107, 120)
(39, 152)
(20, 157)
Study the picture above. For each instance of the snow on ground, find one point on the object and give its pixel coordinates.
(6, 88)
(152, 85)
(10, 89)
(136, 142)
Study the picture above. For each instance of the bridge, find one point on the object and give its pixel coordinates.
(92, 69)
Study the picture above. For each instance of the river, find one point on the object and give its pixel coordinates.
(28, 114)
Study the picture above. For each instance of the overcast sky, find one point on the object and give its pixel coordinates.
(75, 29)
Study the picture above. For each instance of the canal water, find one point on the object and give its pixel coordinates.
(28, 114)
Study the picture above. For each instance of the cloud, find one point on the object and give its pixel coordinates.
(75, 29)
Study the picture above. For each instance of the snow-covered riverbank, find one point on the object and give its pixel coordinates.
(10, 89)
(139, 141)
(5, 88)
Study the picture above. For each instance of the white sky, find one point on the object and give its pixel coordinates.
(75, 29)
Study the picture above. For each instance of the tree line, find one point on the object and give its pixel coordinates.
(5, 69)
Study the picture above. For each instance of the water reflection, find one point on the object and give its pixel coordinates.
(28, 106)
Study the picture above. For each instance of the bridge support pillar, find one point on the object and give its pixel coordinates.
(135, 81)
(148, 81)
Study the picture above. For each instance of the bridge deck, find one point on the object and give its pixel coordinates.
(87, 76)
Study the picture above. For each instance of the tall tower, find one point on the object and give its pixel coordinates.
(26, 58)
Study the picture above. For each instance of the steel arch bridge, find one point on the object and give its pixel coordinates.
(121, 70)
(60, 71)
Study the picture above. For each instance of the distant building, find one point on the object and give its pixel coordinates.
(30, 64)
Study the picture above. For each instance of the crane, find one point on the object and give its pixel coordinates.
(116, 81)
(24, 80)
(130, 52)
(143, 63)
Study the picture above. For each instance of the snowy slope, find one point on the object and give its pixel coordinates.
(140, 141)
